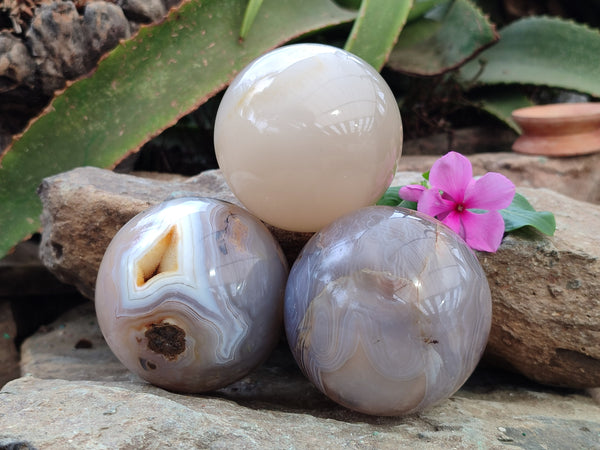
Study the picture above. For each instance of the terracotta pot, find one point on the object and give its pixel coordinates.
(562, 129)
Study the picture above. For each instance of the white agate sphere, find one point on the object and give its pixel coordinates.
(387, 311)
(307, 133)
(189, 294)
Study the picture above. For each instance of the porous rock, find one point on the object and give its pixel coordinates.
(65, 45)
(17, 83)
(78, 396)
(58, 44)
(546, 290)
(105, 25)
(16, 65)
(143, 11)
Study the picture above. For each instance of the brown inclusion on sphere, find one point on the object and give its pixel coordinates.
(166, 339)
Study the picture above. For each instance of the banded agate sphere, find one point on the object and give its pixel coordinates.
(387, 311)
(189, 294)
(307, 133)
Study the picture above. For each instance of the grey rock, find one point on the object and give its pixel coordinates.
(81, 398)
(546, 291)
(29, 295)
(58, 44)
(16, 65)
(143, 11)
(66, 46)
(105, 25)
(72, 348)
(20, 98)
(546, 295)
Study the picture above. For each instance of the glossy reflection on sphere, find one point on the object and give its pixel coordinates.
(387, 311)
(307, 133)
(190, 293)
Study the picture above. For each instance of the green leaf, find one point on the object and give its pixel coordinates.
(502, 103)
(541, 51)
(521, 214)
(442, 40)
(350, 4)
(391, 198)
(144, 86)
(421, 7)
(249, 16)
(376, 29)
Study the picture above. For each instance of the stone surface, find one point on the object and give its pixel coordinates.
(72, 348)
(577, 177)
(105, 24)
(93, 415)
(83, 398)
(546, 291)
(9, 357)
(27, 299)
(17, 83)
(546, 295)
(144, 11)
(58, 44)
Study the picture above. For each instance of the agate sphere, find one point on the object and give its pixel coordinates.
(189, 294)
(387, 311)
(307, 133)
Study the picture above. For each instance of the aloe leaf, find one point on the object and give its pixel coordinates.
(249, 16)
(541, 51)
(376, 29)
(421, 7)
(442, 39)
(502, 103)
(142, 87)
(350, 4)
(521, 214)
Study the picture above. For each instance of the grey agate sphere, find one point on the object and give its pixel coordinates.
(189, 294)
(387, 311)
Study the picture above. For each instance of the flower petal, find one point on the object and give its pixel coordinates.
(483, 231)
(412, 192)
(432, 203)
(452, 220)
(451, 174)
(492, 191)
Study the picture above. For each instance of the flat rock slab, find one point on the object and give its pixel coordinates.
(72, 415)
(98, 404)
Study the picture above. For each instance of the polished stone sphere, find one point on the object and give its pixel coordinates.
(307, 133)
(387, 311)
(189, 294)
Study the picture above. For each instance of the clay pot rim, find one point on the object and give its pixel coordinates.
(561, 129)
(561, 111)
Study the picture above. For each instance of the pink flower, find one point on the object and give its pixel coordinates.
(454, 193)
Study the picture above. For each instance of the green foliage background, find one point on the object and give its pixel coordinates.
(169, 69)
